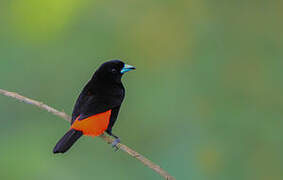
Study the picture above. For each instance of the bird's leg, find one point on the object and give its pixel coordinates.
(116, 141)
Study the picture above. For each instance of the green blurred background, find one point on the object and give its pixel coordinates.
(205, 102)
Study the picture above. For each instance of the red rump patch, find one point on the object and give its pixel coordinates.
(94, 125)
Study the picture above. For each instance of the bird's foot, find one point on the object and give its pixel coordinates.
(114, 144)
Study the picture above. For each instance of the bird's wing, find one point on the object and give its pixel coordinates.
(91, 106)
(94, 116)
(90, 103)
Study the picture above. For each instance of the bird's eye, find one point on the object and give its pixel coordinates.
(114, 70)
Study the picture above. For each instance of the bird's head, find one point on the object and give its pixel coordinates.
(113, 70)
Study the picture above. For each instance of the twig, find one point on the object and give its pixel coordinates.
(63, 115)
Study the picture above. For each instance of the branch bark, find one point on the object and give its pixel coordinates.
(107, 139)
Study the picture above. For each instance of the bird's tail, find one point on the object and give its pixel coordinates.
(67, 141)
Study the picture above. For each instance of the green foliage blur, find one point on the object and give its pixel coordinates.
(205, 102)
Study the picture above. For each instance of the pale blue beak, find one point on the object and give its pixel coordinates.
(127, 68)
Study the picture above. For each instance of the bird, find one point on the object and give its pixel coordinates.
(98, 105)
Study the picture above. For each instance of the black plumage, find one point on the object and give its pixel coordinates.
(103, 92)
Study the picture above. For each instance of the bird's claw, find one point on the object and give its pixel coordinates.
(114, 144)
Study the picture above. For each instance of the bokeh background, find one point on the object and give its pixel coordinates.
(205, 102)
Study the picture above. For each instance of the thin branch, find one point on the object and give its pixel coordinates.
(63, 115)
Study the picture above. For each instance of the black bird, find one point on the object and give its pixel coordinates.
(98, 105)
